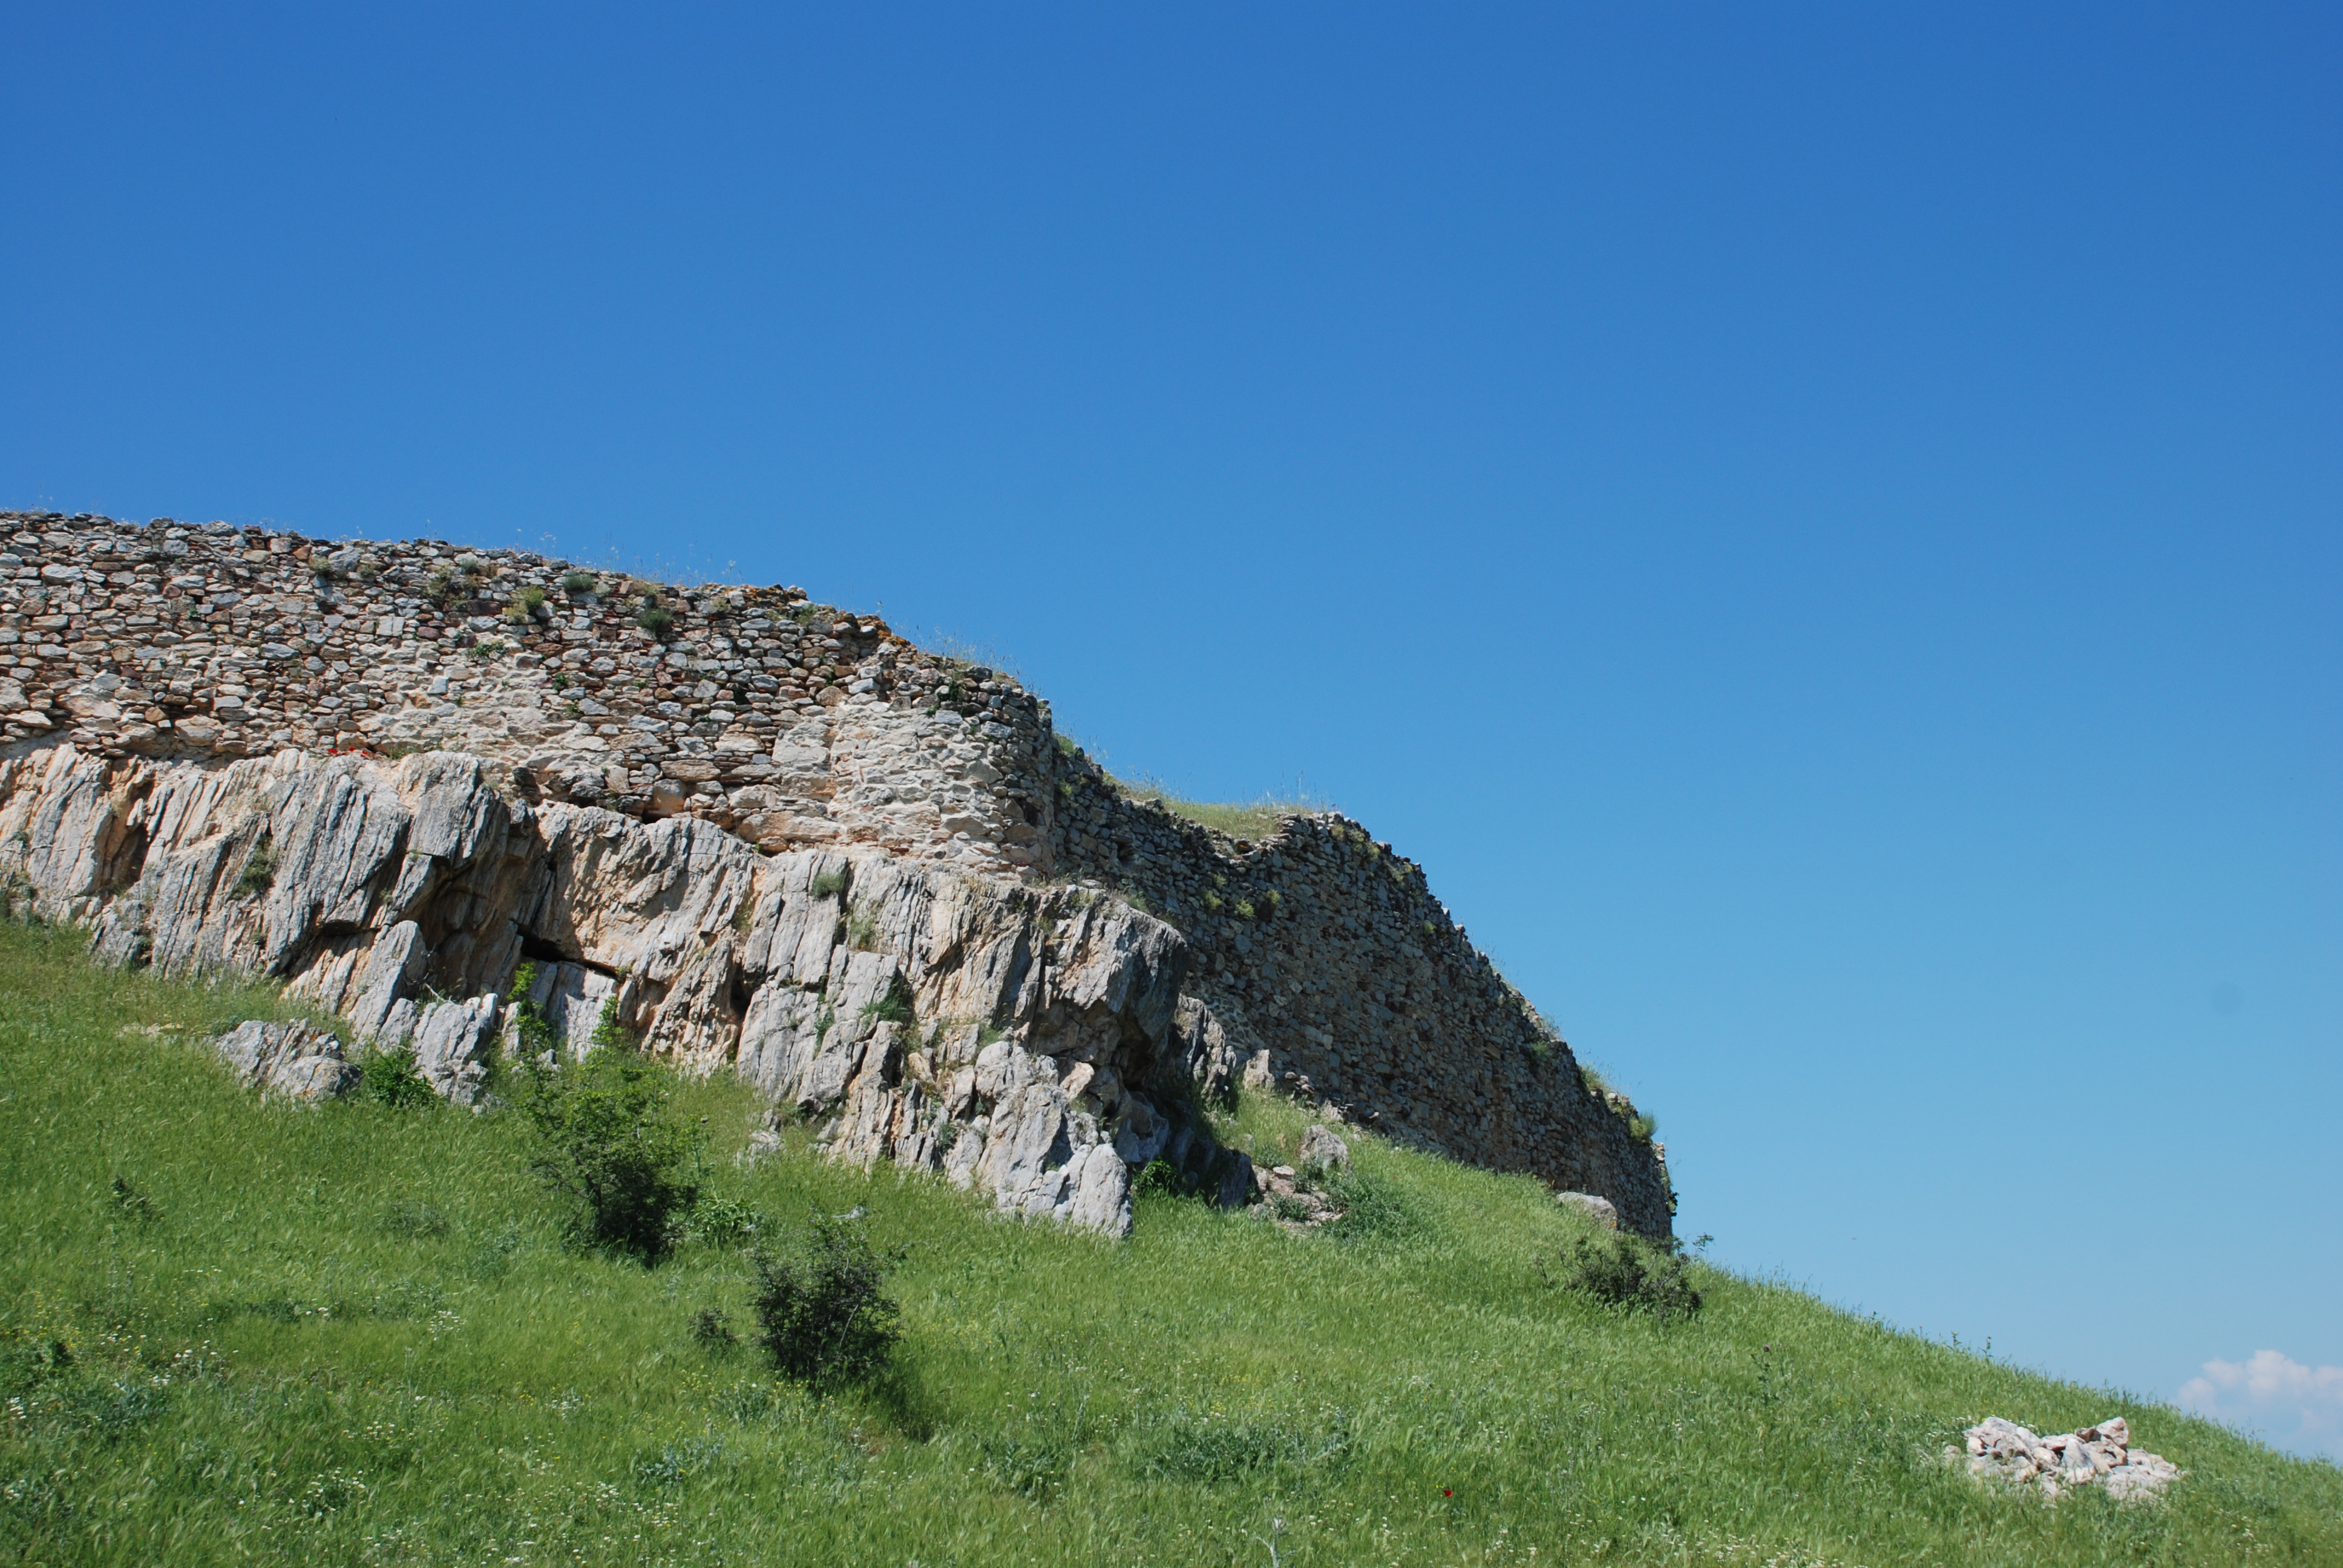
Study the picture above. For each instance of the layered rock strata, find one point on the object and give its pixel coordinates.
(1318, 963)
(1019, 1040)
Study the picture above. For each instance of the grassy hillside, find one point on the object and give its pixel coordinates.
(352, 1335)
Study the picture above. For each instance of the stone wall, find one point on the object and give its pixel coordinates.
(1337, 977)
(1321, 965)
(791, 722)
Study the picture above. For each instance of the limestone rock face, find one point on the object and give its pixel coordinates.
(294, 1061)
(1019, 1040)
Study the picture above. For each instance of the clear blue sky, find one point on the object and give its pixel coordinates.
(1818, 527)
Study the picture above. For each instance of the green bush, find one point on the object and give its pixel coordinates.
(712, 1331)
(1623, 1270)
(533, 1031)
(390, 1078)
(825, 1317)
(578, 582)
(607, 1141)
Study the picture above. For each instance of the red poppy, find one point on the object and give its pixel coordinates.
(1444, 1492)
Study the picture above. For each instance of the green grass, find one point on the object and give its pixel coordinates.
(1248, 819)
(351, 1334)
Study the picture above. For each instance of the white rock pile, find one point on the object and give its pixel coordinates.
(2099, 1455)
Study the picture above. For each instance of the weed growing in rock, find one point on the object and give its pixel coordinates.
(607, 1141)
(895, 1006)
(830, 884)
(578, 582)
(825, 1317)
(259, 871)
(533, 1031)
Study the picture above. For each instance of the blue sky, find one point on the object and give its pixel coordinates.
(1819, 527)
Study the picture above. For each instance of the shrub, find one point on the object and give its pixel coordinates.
(656, 619)
(712, 1331)
(607, 1143)
(578, 582)
(1623, 1271)
(825, 1317)
(390, 1078)
(532, 1030)
(830, 884)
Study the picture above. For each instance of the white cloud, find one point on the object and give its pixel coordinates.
(2276, 1397)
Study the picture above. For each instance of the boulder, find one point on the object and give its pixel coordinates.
(1600, 1209)
(1323, 1150)
(295, 1060)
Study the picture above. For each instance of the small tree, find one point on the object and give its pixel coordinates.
(825, 1318)
(608, 1141)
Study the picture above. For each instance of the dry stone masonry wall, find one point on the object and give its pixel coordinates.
(392, 773)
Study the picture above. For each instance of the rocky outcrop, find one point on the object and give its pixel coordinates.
(576, 737)
(1019, 1040)
(2099, 1455)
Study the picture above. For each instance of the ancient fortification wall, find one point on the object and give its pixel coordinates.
(1314, 962)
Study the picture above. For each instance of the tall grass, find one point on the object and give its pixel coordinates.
(354, 1334)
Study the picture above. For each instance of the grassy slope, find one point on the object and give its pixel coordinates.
(269, 1366)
